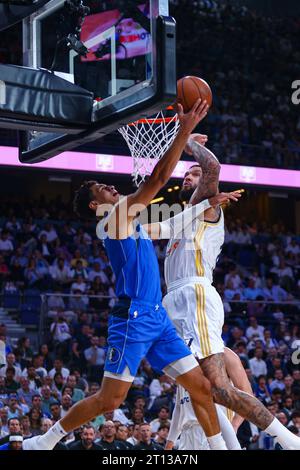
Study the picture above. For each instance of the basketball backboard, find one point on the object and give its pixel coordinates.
(121, 50)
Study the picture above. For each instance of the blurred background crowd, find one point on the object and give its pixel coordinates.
(44, 252)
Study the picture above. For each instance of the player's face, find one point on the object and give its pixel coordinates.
(105, 194)
(192, 178)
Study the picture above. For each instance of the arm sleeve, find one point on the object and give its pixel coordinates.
(174, 427)
(170, 228)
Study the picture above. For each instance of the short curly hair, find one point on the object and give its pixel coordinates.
(83, 196)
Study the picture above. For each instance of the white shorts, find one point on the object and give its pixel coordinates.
(193, 438)
(197, 312)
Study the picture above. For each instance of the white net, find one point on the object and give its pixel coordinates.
(148, 140)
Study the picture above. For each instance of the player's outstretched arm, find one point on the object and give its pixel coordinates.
(165, 167)
(209, 183)
(119, 224)
(170, 228)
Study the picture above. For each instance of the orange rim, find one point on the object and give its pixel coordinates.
(154, 121)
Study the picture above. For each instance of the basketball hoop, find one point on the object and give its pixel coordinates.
(148, 139)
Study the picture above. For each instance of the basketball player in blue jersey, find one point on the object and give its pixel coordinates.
(138, 326)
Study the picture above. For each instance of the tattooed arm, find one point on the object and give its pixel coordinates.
(210, 166)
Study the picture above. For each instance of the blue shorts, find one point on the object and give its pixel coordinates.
(138, 331)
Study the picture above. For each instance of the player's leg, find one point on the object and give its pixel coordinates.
(122, 362)
(200, 392)
(193, 438)
(187, 319)
(244, 404)
(110, 396)
(227, 430)
(170, 354)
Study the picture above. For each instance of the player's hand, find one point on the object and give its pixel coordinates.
(190, 120)
(200, 138)
(224, 198)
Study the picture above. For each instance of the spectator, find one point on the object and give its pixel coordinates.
(162, 435)
(47, 360)
(254, 330)
(35, 416)
(55, 411)
(59, 369)
(25, 426)
(15, 442)
(4, 422)
(87, 441)
(108, 438)
(11, 362)
(6, 246)
(77, 393)
(46, 400)
(122, 434)
(66, 404)
(11, 385)
(34, 379)
(25, 394)
(278, 382)
(14, 427)
(134, 439)
(257, 364)
(95, 357)
(162, 420)
(61, 274)
(262, 389)
(146, 443)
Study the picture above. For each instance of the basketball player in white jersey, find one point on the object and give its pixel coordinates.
(195, 306)
(192, 303)
(184, 422)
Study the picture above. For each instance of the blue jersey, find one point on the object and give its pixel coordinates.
(138, 325)
(135, 265)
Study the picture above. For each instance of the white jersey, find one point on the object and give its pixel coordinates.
(192, 437)
(194, 251)
(184, 423)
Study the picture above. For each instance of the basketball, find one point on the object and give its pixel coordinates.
(189, 89)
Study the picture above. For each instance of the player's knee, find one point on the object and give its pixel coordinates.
(105, 403)
(199, 386)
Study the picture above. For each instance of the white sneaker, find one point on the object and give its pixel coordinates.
(34, 443)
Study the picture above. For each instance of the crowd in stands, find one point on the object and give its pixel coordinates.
(43, 249)
(249, 60)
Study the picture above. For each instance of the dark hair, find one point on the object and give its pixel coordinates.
(39, 420)
(11, 369)
(55, 403)
(271, 403)
(293, 429)
(164, 408)
(82, 198)
(34, 396)
(11, 419)
(163, 426)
